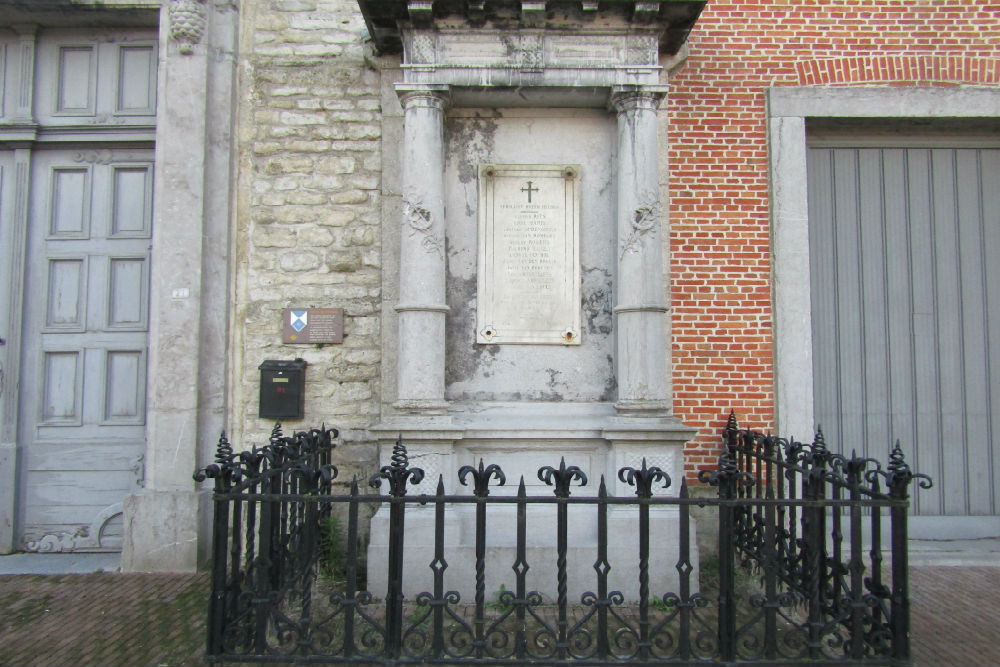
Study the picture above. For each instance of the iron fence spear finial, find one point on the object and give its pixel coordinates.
(644, 478)
(397, 472)
(481, 477)
(899, 474)
(562, 478)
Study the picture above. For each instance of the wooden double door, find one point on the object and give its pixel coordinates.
(84, 345)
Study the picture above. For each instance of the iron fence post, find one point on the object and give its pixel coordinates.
(394, 595)
(520, 568)
(481, 490)
(643, 480)
(900, 609)
(561, 479)
(814, 534)
(602, 567)
(438, 565)
(351, 571)
(262, 574)
(684, 569)
(727, 477)
(220, 548)
(397, 473)
(727, 614)
(898, 480)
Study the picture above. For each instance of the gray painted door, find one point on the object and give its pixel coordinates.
(905, 256)
(83, 389)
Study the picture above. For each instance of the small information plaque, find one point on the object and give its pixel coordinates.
(313, 325)
(529, 254)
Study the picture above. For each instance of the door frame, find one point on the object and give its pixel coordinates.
(189, 314)
(788, 110)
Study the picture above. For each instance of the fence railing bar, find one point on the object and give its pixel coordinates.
(427, 501)
(262, 580)
(857, 571)
(438, 566)
(602, 567)
(900, 610)
(772, 554)
(217, 606)
(520, 568)
(874, 583)
(351, 572)
(684, 570)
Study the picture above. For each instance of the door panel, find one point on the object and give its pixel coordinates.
(906, 328)
(82, 415)
(90, 76)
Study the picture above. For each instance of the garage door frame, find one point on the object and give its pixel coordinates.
(788, 110)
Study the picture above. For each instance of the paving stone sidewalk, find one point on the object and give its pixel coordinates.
(103, 620)
(142, 620)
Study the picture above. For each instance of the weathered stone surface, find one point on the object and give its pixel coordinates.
(309, 234)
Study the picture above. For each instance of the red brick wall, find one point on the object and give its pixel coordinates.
(719, 215)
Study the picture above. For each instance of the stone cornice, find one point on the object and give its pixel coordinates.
(670, 20)
(82, 14)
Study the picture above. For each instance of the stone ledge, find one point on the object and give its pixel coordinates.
(672, 20)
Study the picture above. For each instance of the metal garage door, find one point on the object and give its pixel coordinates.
(905, 274)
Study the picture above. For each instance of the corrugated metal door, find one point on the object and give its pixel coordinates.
(905, 275)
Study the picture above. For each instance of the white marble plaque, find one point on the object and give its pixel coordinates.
(529, 254)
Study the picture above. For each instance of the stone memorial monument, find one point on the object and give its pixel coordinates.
(528, 320)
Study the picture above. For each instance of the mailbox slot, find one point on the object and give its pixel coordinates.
(282, 389)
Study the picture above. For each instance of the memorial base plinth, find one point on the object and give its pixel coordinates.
(521, 439)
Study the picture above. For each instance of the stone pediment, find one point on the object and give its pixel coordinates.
(662, 25)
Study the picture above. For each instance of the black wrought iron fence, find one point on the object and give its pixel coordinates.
(799, 575)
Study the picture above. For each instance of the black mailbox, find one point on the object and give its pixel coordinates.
(282, 389)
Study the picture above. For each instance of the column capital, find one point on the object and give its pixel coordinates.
(434, 96)
(624, 99)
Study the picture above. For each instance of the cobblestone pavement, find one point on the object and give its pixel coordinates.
(955, 616)
(142, 620)
(103, 619)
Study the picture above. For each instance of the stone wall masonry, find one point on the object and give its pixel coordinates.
(308, 217)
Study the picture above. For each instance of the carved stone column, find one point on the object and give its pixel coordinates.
(640, 304)
(165, 526)
(422, 306)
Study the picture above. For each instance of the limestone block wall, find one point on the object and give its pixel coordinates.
(307, 228)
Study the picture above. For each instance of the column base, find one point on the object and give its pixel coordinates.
(8, 497)
(166, 531)
(421, 406)
(643, 408)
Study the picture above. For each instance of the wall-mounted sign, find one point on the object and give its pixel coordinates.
(529, 254)
(313, 325)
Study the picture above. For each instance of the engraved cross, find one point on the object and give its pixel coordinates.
(529, 190)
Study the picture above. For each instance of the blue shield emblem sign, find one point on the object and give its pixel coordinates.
(299, 319)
